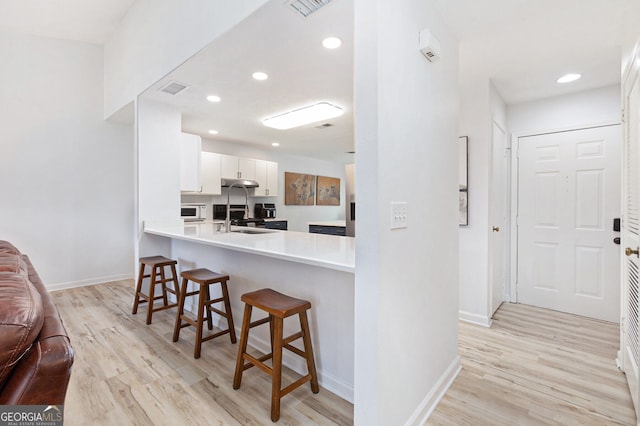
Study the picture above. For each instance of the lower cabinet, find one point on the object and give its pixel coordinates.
(276, 224)
(329, 230)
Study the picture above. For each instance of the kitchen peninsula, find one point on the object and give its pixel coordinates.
(319, 268)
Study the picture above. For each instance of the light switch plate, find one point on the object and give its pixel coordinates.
(399, 214)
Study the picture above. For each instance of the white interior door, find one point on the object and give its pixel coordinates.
(498, 252)
(568, 196)
(630, 334)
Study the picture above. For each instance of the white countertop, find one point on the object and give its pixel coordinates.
(329, 223)
(326, 251)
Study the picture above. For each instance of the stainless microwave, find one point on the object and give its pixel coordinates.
(192, 212)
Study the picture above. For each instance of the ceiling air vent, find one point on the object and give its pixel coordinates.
(306, 7)
(173, 88)
(324, 126)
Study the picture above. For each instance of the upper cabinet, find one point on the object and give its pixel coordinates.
(190, 148)
(210, 173)
(267, 177)
(237, 168)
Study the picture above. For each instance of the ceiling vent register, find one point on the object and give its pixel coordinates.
(306, 7)
(173, 88)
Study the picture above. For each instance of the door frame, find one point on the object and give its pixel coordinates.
(515, 155)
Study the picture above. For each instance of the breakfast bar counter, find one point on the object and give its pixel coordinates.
(318, 268)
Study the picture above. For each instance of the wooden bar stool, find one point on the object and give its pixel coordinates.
(204, 278)
(157, 276)
(279, 307)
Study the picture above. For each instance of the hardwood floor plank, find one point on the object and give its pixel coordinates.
(130, 373)
(536, 367)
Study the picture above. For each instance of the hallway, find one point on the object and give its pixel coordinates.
(536, 366)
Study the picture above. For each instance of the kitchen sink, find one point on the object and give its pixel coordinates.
(251, 231)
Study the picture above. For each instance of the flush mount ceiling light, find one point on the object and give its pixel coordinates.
(332, 42)
(275, 144)
(305, 115)
(213, 98)
(213, 132)
(568, 78)
(259, 75)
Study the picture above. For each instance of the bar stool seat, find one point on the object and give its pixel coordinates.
(157, 275)
(203, 278)
(279, 307)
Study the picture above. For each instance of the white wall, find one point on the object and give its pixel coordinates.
(597, 106)
(406, 279)
(156, 36)
(475, 122)
(65, 174)
(158, 172)
(297, 216)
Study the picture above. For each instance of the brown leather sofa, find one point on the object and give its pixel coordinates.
(35, 352)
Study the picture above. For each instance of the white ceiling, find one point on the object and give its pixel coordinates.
(90, 21)
(523, 46)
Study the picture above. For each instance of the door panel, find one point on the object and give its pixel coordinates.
(568, 196)
(630, 232)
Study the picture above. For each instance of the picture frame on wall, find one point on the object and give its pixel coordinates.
(300, 189)
(463, 179)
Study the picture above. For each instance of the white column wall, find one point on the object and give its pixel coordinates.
(475, 122)
(156, 36)
(406, 279)
(65, 173)
(158, 172)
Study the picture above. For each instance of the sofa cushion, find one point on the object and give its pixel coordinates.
(13, 263)
(7, 247)
(21, 318)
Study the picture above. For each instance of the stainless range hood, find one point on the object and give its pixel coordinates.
(239, 183)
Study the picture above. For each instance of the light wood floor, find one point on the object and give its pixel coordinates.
(128, 373)
(537, 367)
(532, 367)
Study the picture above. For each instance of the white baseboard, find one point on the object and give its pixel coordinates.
(91, 281)
(429, 403)
(474, 318)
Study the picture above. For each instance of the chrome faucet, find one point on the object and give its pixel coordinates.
(239, 184)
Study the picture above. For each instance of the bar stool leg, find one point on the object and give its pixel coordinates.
(244, 335)
(176, 286)
(201, 301)
(227, 309)
(181, 299)
(208, 307)
(276, 373)
(136, 301)
(164, 286)
(152, 294)
(308, 349)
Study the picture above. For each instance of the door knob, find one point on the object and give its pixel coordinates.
(496, 229)
(629, 251)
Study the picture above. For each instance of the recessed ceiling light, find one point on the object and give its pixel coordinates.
(259, 75)
(213, 98)
(568, 78)
(305, 115)
(332, 42)
(275, 144)
(213, 132)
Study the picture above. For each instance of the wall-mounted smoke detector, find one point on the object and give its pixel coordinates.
(305, 8)
(173, 88)
(429, 46)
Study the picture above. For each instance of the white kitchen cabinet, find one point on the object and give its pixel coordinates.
(267, 177)
(237, 168)
(210, 164)
(190, 148)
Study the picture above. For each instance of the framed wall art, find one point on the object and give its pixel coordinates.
(463, 179)
(327, 191)
(299, 189)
